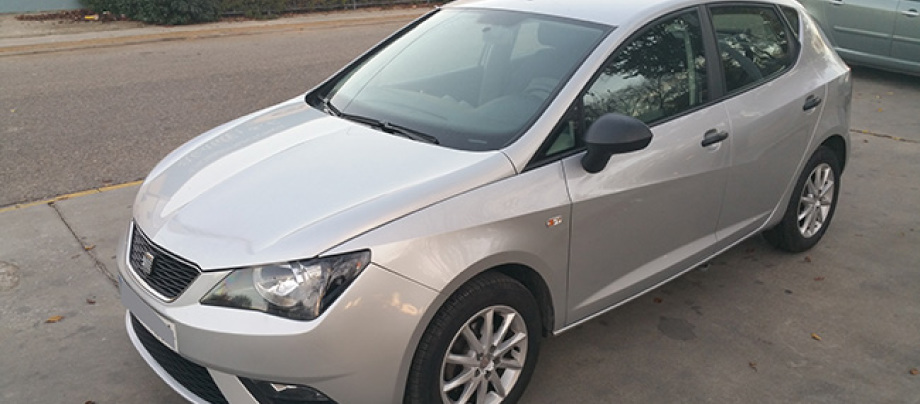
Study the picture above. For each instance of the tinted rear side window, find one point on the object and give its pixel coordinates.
(792, 17)
(753, 44)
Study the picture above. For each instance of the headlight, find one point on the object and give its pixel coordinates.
(300, 290)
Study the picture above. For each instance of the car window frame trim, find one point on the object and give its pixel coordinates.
(793, 40)
(716, 79)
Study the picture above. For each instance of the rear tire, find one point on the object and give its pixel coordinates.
(481, 346)
(811, 206)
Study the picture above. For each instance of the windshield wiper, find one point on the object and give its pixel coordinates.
(413, 134)
(384, 126)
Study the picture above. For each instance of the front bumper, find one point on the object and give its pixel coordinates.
(197, 384)
(356, 352)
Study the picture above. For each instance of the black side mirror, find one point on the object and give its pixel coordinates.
(613, 134)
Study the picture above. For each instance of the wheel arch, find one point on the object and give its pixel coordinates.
(537, 287)
(839, 146)
(524, 274)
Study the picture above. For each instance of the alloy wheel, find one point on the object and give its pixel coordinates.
(486, 357)
(816, 200)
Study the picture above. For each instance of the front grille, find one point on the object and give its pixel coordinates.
(168, 274)
(193, 377)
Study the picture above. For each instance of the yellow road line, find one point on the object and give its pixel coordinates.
(70, 196)
(882, 135)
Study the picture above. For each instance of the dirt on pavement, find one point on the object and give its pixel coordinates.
(61, 22)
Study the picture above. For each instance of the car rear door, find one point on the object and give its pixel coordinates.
(774, 104)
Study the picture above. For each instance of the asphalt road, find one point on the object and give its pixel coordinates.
(82, 119)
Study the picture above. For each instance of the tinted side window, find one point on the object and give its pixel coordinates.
(659, 74)
(753, 44)
(792, 17)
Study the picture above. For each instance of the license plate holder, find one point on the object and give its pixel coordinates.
(161, 328)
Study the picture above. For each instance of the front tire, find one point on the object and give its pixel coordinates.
(481, 346)
(811, 206)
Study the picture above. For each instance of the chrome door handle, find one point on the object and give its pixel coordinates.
(713, 136)
(836, 2)
(911, 13)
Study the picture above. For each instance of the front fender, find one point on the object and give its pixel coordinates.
(519, 220)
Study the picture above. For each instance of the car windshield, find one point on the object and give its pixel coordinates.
(466, 79)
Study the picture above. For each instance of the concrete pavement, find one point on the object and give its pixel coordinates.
(62, 336)
(838, 324)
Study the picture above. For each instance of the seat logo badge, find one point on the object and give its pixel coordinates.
(147, 263)
(554, 221)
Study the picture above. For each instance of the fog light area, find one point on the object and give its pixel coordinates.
(283, 393)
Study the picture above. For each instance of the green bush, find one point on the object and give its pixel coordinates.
(255, 8)
(174, 12)
(167, 12)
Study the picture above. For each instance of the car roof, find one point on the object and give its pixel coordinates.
(609, 12)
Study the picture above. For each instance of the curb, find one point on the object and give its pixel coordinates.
(64, 197)
(197, 32)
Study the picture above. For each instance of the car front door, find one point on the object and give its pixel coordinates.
(906, 42)
(649, 212)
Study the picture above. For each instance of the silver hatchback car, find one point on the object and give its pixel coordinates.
(494, 173)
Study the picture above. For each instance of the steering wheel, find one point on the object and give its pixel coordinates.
(747, 65)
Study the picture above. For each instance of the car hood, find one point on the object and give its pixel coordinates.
(290, 182)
